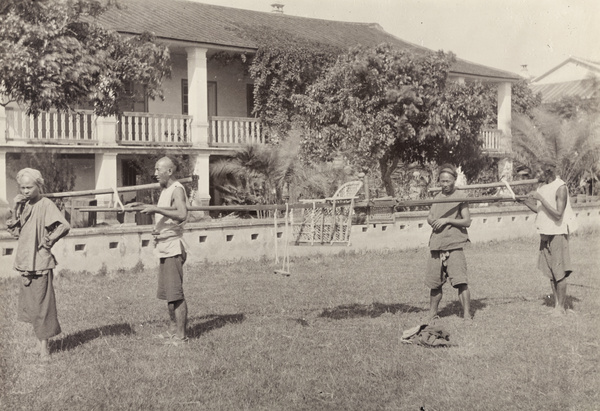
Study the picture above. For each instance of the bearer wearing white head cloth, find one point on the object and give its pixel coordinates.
(38, 224)
(555, 221)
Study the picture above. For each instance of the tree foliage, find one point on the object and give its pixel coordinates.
(456, 121)
(523, 99)
(572, 145)
(56, 169)
(380, 107)
(282, 67)
(257, 170)
(570, 107)
(53, 54)
(273, 174)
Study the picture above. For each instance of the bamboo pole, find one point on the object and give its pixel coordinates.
(405, 203)
(110, 190)
(471, 200)
(489, 185)
(258, 207)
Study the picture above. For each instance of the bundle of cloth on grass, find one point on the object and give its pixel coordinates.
(427, 336)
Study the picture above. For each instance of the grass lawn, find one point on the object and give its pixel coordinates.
(325, 338)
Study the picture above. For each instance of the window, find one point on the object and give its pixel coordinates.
(211, 95)
(135, 98)
(129, 173)
(184, 96)
(250, 99)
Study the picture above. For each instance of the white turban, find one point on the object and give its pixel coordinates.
(34, 175)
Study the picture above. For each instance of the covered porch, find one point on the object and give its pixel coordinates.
(206, 110)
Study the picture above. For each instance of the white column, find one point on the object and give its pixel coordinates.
(3, 170)
(106, 175)
(200, 164)
(106, 130)
(198, 95)
(504, 114)
(505, 165)
(3, 125)
(3, 177)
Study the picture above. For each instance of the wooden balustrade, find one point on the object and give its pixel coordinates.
(154, 129)
(71, 127)
(491, 139)
(79, 127)
(235, 131)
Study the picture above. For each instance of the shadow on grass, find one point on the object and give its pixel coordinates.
(374, 310)
(454, 308)
(213, 322)
(550, 302)
(583, 286)
(73, 340)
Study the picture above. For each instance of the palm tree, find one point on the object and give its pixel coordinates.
(572, 145)
(272, 174)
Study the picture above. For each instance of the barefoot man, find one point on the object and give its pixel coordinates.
(38, 224)
(449, 222)
(170, 247)
(554, 221)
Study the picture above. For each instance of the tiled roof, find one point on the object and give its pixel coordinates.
(555, 91)
(223, 26)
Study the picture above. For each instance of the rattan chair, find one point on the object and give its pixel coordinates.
(330, 218)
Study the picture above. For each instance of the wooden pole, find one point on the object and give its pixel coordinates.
(471, 200)
(110, 190)
(489, 185)
(258, 207)
(406, 203)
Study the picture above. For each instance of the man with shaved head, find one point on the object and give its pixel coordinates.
(170, 247)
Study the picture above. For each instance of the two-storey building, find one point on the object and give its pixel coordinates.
(207, 107)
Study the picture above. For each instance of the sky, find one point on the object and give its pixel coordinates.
(504, 34)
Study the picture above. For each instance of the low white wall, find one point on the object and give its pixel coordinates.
(122, 247)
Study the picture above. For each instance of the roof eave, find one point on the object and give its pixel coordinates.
(189, 43)
(495, 79)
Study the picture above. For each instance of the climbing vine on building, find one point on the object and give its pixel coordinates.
(282, 67)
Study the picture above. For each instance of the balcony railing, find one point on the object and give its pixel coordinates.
(491, 139)
(73, 127)
(154, 129)
(235, 131)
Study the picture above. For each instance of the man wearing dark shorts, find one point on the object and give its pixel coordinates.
(449, 222)
(554, 221)
(170, 247)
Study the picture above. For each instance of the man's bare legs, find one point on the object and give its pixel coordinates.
(44, 352)
(178, 315)
(464, 296)
(435, 296)
(559, 289)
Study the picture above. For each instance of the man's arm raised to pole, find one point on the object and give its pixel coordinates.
(178, 214)
(561, 202)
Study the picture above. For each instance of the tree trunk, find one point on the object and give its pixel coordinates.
(386, 175)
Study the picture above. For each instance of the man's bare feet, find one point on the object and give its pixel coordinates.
(431, 319)
(44, 351)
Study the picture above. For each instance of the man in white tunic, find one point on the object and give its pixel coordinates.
(170, 247)
(554, 221)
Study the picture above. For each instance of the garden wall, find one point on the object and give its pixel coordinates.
(124, 246)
